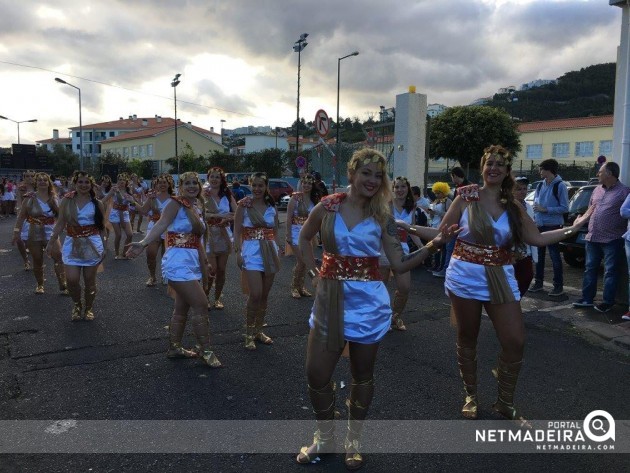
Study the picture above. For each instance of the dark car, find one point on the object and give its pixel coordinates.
(573, 247)
(278, 188)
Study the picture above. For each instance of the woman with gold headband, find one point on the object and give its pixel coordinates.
(300, 205)
(351, 303)
(81, 215)
(480, 275)
(184, 266)
(219, 214)
(256, 249)
(403, 208)
(120, 195)
(157, 200)
(24, 188)
(39, 210)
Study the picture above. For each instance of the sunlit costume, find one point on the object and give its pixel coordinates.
(154, 214)
(303, 207)
(481, 269)
(182, 262)
(218, 241)
(260, 253)
(351, 304)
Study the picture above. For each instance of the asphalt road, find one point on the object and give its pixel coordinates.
(114, 368)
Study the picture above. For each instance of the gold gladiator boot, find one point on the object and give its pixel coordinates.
(507, 376)
(38, 271)
(323, 401)
(77, 311)
(90, 295)
(398, 305)
(358, 404)
(61, 278)
(295, 284)
(259, 336)
(302, 289)
(467, 361)
(201, 328)
(176, 333)
(250, 328)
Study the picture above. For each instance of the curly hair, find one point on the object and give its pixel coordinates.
(441, 187)
(379, 206)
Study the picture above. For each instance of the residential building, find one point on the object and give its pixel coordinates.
(537, 83)
(157, 144)
(571, 140)
(434, 109)
(50, 143)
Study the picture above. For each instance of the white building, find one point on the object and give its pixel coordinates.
(434, 109)
(537, 83)
(255, 143)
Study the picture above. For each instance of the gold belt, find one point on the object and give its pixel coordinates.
(182, 240)
(121, 207)
(350, 268)
(81, 231)
(482, 254)
(40, 220)
(297, 220)
(258, 233)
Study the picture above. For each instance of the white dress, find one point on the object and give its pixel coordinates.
(47, 212)
(468, 280)
(224, 208)
(93, 244)
(407, 218)
(250, 251)
(367, 311)
(114, 215)
(181, 264)
(161, 206)
(295, 229)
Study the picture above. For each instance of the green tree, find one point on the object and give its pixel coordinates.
(227, 162)
(462, 133)
(114, 159)
(271, 161)
(188, 161)
(62, 161)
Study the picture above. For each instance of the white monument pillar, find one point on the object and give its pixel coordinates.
(621, 123)
(410, 135)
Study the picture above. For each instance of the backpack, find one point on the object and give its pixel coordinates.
(554, 191)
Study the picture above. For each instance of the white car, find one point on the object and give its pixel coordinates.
(284, 202)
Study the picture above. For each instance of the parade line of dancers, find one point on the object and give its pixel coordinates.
(364, 233)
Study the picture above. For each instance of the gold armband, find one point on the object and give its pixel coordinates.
(568, 232)
(16, 229)
(312, 273)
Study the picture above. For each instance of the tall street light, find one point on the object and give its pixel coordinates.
(61, 81)
(222, 122)
(18, 124)
(298, 46)
(356, 53)
(174, 84)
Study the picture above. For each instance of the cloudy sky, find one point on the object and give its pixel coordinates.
(237, 62)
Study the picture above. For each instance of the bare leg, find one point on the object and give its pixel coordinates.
(176, 330)
(89, 279)
(126, 227)
(73, 278)
(139, 223)
(59, 269)
(219, 279)
(399, 301)
(21, 246)
(152, 251)
(117, 230)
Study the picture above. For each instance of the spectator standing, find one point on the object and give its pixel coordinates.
(319, 185)
(625, 213)
(237, 191)
(604, 239)
(422, 207)
(551, 202)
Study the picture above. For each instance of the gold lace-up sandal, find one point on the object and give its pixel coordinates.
(323, 401)
(90, 295)
(77, 311)
(201, 328)
(300, 285)
(250, 328)
(61, 278)
(176, 333)
(467, 361)
(507, 376)
(398, 305)
(360, 399)
(295, 284)
(259, 336)
(39, 277)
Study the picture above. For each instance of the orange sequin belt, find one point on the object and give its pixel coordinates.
(154, 217)
(40, 220)
(402, 235)
(217, 222)
(81, 231)
(350, 268)
(297, 220)
(482, 254)
(258, 233)
(122, 207)
(182, 240)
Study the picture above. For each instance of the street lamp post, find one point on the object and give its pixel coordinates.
(61, 81)
(298, 46)
(356, 53)
(18, 123)
(222, 122)
(174, 84)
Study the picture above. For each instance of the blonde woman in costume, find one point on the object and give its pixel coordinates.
(184, 266)
(24, 188)
(157, 200)
(256, 229)
(219, 214)
(492, 223)
(40, 209)
(81, 215)
(122, 199)
(351, 303)
(300, 205)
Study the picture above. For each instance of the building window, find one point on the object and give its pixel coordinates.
(134, 151)
(583, 149)
(87, 136)
(78, 147)
(533, 152)
(149, 150)
(77, 134)
(560, 150)
(112, 134)
(143, 151)
(605, 147)
(125, 152)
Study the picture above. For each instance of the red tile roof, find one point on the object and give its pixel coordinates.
(146, 132)
(137, 124)
(566, 124)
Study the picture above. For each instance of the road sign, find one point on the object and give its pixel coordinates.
(322, 124)
(300, 162)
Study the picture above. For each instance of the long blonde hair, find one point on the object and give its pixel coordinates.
(33, 206)
(379, 206)
(197, 225)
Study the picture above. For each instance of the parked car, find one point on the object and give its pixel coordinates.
(283, 203)
(278, 188)
(573, 248)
